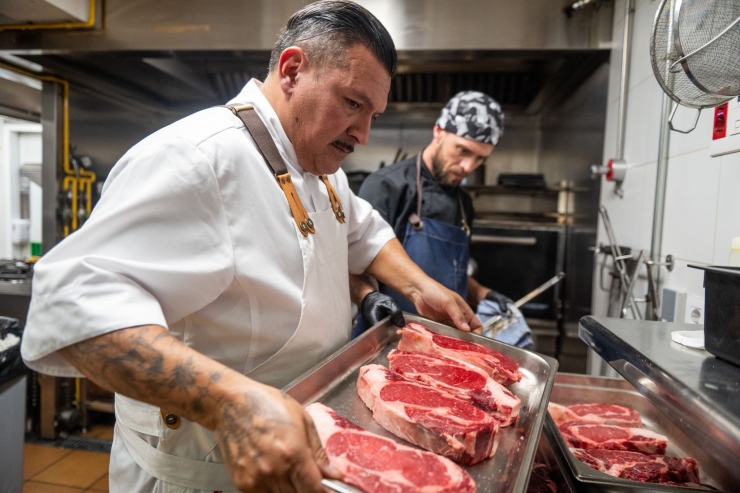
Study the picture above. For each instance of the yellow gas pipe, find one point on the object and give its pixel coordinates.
(58, 25)
(71, 180)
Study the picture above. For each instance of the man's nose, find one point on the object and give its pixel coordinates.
(469, 164)
(361, 130)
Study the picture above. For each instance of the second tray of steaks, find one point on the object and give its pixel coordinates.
(364, 365)
(657, 434)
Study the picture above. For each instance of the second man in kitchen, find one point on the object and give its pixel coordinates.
(423, 201)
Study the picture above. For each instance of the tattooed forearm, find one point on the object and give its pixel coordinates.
(267, 439)
(148, 364)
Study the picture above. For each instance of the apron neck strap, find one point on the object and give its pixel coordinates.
(415, 218)
(274, 161)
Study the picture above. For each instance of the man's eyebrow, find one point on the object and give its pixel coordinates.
(365, 100)
(471, 151)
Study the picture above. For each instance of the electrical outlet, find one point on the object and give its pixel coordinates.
(694, 310)
(673, 306)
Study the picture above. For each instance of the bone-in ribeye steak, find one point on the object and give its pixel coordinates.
(646, 468)
(428, 417)
(599, 414)
(416, 337)
(376, 464)
(608, 437)
(539, 480)
(461, 379)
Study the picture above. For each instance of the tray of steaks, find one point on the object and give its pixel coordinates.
(428, 408)
(613, 439)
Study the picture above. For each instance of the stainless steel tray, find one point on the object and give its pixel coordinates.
(573, 389)
(333, 382)
(555, 461)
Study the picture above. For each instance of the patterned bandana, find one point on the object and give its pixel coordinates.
(473, 115)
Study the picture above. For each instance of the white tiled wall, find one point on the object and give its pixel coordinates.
(702, 210)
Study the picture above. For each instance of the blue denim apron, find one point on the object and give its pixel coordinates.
(440, 249)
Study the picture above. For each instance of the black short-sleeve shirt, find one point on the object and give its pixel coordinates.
(392, 192)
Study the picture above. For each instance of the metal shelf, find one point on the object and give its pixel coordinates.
(697, 391)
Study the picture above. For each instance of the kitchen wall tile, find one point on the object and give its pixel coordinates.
(640, 67)
(700, 138)
(615, 65)
(610, 131)
(638, 119)
(645, 219)
(691, 207)
(702, 205)
(614, 71)
(656, 105)
(728, 207)
(624, 212)
(684, 278)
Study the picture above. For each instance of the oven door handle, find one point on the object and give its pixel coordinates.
(504, 240)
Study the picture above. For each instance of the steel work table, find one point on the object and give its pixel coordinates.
(692, 387)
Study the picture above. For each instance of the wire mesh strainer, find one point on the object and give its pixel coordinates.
(664, 54)
(708, 42)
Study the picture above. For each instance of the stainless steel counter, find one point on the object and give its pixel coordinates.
(21, 288)
(697, 391)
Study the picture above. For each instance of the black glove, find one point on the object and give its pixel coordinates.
(503, 301)
(376, 306)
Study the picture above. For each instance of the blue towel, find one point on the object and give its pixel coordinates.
(517, 333)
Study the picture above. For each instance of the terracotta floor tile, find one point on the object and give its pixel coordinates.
(79, 469)
(106, 433)
(36, 458)
(101, 485)
(34, 487)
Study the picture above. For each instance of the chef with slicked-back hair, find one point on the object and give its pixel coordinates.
(214, 270)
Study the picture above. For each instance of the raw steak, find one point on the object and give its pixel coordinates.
(461, 379)
(379, 465)
(598, 414)
(416, 337)
(641, 467)
(428, 417)
(609, 437)
(539, 480)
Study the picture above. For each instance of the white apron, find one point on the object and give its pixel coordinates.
(149, 456)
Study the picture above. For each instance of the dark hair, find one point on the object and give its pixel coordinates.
(325, 29)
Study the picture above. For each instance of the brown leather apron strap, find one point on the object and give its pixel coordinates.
(336, 204)
(269, 151)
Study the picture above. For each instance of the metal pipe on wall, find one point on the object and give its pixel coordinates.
(52, 117)
(656, 241)
(629, 10)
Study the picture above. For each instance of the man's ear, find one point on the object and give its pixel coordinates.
(293, 61)
(438, 134)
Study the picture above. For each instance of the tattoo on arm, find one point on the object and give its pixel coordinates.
(148, 364)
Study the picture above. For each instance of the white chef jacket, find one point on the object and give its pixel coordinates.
(191, 233)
